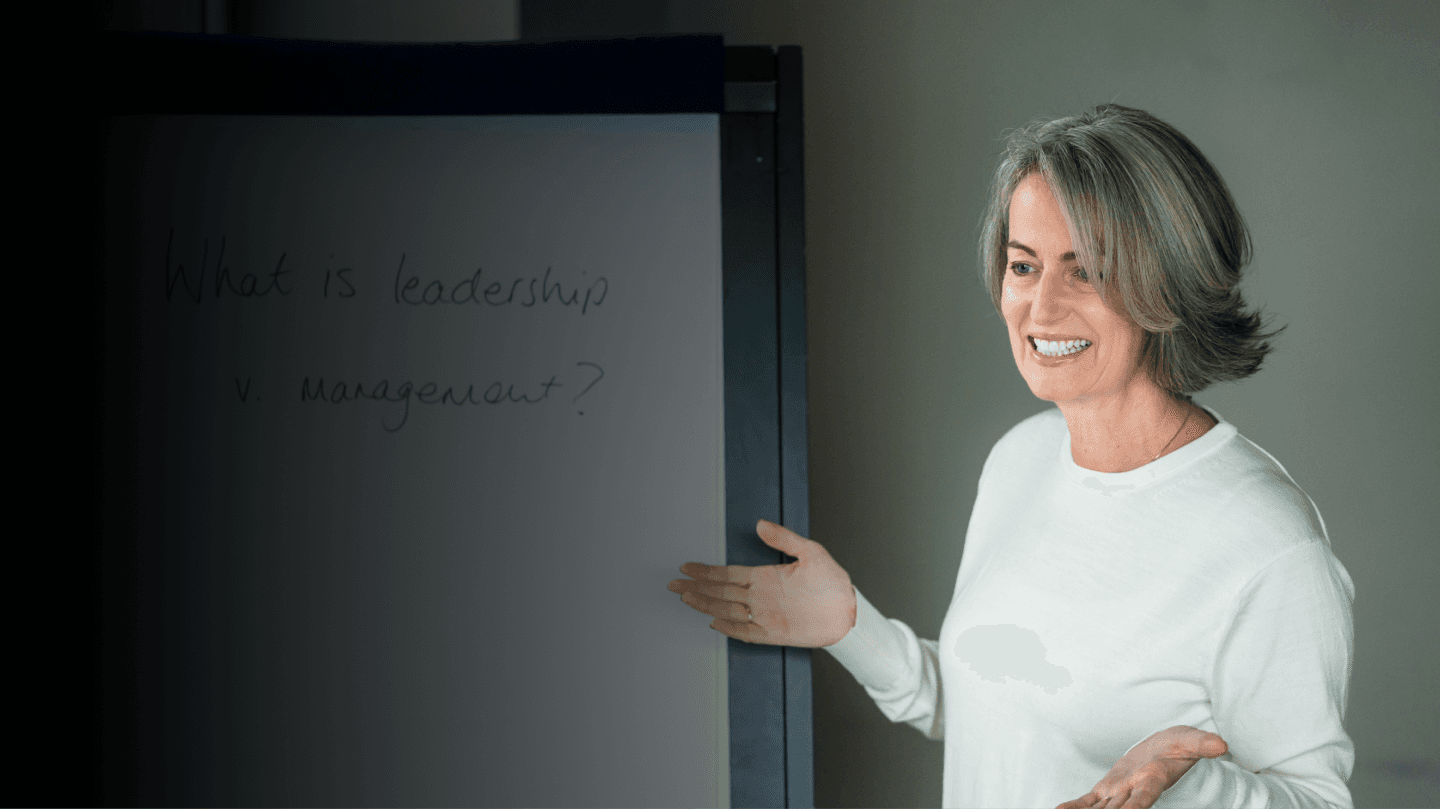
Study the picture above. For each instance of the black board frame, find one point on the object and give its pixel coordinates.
(758, 92)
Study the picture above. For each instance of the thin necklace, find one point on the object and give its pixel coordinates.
(1172, 438)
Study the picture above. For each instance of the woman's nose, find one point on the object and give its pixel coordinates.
(1051, 298)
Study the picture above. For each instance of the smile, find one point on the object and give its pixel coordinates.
(1059, 348)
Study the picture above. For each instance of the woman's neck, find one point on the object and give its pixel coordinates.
(1125, 432)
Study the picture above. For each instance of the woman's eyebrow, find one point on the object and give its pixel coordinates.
(1070, 256)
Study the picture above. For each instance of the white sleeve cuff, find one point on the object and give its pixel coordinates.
(1220, 782)
(874, 649)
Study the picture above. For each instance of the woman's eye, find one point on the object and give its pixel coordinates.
(1016, 266)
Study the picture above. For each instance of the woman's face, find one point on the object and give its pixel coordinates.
(1046, 297)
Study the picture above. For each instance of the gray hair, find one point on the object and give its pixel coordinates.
(1156, 230)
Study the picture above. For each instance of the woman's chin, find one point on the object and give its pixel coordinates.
(1048, 396)
(1046, 388)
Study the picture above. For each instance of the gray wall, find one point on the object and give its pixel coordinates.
(1322, 119)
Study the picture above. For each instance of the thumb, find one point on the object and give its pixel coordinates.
(1211, 746)
(782, 539)
(1204, 744)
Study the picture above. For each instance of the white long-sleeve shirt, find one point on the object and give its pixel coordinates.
(1094, 609)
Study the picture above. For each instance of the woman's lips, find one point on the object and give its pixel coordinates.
(1059, 350)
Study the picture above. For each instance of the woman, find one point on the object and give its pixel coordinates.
(1147, 606)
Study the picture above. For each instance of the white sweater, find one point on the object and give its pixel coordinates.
(1094, 609)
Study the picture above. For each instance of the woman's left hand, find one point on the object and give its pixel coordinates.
(1150, 768)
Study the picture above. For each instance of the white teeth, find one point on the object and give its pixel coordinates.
(1059, 348)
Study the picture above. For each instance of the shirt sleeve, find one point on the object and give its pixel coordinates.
(899, 671)
(1278, 691)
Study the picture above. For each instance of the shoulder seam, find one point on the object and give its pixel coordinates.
(1324, 532)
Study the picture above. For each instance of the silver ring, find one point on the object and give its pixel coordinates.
(749, 616)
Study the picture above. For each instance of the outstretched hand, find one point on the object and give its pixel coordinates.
(808, 602)
(1150, 768)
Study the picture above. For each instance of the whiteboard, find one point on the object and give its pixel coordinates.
(432, 412)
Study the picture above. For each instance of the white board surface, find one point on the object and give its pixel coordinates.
(436, 408)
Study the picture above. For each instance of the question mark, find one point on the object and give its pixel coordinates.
(592, 383)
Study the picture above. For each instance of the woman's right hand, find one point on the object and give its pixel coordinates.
(808, 602)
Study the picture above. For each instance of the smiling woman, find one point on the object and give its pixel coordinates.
(1076, 350)
(1156, 231)
(1147, 610)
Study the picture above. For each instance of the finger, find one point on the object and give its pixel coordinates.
(1106, 797)
(1084, 802)
(683, 586)
(1103, 797)
(719, 608)
(783, 539)
(733, 574)
(724, 592)
(1142, 797)
(742, 630)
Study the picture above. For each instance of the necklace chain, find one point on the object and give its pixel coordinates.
(1173, 437)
